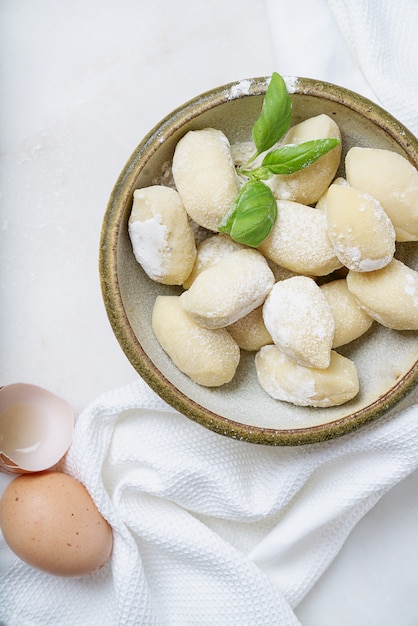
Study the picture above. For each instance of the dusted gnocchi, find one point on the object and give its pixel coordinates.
(209, 357)
(300, 322)
(307, 185)
(161, 235)
(389, 295)
(284, 379)
(209, 252)
(250, 332)
(359, 229)
(392, 180)
(322, 202)
(289, 243)
(229, 290)
(204, 175)
(351, 321)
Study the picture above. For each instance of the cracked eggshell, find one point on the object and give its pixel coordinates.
(36, 428)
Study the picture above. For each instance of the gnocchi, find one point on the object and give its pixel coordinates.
(322, 202)
(227, 291)
(392, 180)
(359, 229)
(389, 295)
(161, 236)
(308, 185)
(204, 175)
(250, 332)
(300, 322)
(351, 321)
(284, 379)
(289, 243)
(209, 357)
(209, 252)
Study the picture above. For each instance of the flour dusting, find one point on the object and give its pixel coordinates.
(240, 89)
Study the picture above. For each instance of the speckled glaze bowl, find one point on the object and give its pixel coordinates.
(387, 361)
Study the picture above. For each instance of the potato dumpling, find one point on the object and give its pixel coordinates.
(227, 291)
(359, 229)
(307, 185)
(250, 332)
(351, 321)
(389, 295)
(300, 322)
(209, 357)
(280, 272)
(204, 175)
(161, 236)
(391, 179)
(299, 242)
(283, 379)
(209, 252)
(322, 202)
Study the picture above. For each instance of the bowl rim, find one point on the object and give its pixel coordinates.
(108, 251)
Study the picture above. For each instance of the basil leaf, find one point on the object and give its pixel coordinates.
(252, 215)
(294, 157)
(259, 173)
(274, 119)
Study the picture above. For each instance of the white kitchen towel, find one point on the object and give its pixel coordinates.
(382, 37)
(368, 46)
(207, 530)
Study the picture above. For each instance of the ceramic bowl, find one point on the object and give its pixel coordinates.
(387, 361)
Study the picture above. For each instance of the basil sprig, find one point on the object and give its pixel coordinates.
(254, 211)
(291, 158)
(275, 116)
(252, 215)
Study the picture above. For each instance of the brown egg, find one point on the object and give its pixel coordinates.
(50, 521)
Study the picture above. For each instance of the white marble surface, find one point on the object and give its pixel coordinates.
(82, 83)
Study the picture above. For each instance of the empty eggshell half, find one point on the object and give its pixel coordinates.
(36, 428)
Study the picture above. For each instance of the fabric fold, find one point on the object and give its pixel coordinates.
(382, 40)
(208, 529)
